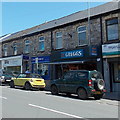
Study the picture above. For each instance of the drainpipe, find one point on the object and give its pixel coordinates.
(101, 43)
(88, 6)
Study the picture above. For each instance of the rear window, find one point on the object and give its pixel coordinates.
(96, 75)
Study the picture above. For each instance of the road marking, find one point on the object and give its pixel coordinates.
(3, 97)
(48, 109)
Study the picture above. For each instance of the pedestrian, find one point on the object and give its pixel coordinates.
(1, 72)
(27, 71)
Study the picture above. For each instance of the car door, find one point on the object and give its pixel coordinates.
(70, 82)
(20, 80)
(61, 84)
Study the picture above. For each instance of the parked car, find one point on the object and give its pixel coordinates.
(28, 81)
(81, 82)
(6, 78)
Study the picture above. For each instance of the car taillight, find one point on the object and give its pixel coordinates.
(89, 82)
(104, 90)
(39, 80)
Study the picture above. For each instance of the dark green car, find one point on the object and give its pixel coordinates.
(84, 83)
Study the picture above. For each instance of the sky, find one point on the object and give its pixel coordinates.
(17, 16)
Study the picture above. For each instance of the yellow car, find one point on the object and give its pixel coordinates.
(28, 81)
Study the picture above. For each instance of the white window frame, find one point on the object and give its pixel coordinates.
(79, 32)
(41, 41)
(27, 44)
(15, 48)
(57, 38)
(5, 48)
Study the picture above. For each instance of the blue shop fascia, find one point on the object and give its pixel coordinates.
(39, 66)
(87, 58)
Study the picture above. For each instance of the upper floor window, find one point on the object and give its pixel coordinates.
(41, 43)
(5, 48)
(82, 35)
(15, 48)
(27, 46)
(59, 40)
(112, 29)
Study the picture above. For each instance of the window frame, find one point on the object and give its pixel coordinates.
(15, 48)
(84, 31)
(57, 37)
(110, 25)
(40, 41)
(27, 44)
(5, 49)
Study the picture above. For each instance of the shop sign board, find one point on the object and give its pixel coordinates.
(72, 54)
(41, 59)
(111, 49)
(13, 62)
(25, 57)
(93, 51)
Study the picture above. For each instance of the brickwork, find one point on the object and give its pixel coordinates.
(70, 34)
(107, 17)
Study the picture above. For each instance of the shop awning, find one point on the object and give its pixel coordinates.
(63, 62)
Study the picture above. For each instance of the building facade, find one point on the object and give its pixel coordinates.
(111, 51)
(73, 42)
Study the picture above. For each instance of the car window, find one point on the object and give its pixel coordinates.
(96, 75)
(82, 75)
(35, 76)
(22, 76)
(69, 75)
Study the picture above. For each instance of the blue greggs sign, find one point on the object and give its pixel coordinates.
(72, 54)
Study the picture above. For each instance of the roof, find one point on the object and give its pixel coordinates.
(107, 7)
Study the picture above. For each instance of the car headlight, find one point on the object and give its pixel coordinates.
(2, 77)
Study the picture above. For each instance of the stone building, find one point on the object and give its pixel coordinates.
(68, 43)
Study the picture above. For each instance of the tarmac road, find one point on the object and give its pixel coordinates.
(18, 103)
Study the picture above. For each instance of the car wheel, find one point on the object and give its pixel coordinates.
(54, 90)
(82, 94)
(99, 84)
(27, 86)
(12, 84)
(98, 97)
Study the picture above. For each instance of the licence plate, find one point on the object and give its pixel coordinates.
(97, 92)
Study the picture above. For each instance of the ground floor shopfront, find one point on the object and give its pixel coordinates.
(84, 58)
(14, 63)
(39, 66)
(111, 62)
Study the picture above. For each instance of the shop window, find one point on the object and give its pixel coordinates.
(27, 46)
(41, 44)
(15, 48)
(117, 72)
(42, 69)
(112, 29)
(5, 48)
(82, 35)
(59, 40)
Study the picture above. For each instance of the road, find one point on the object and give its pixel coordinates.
(18, 103)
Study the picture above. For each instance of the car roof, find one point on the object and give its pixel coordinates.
(90, 71)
